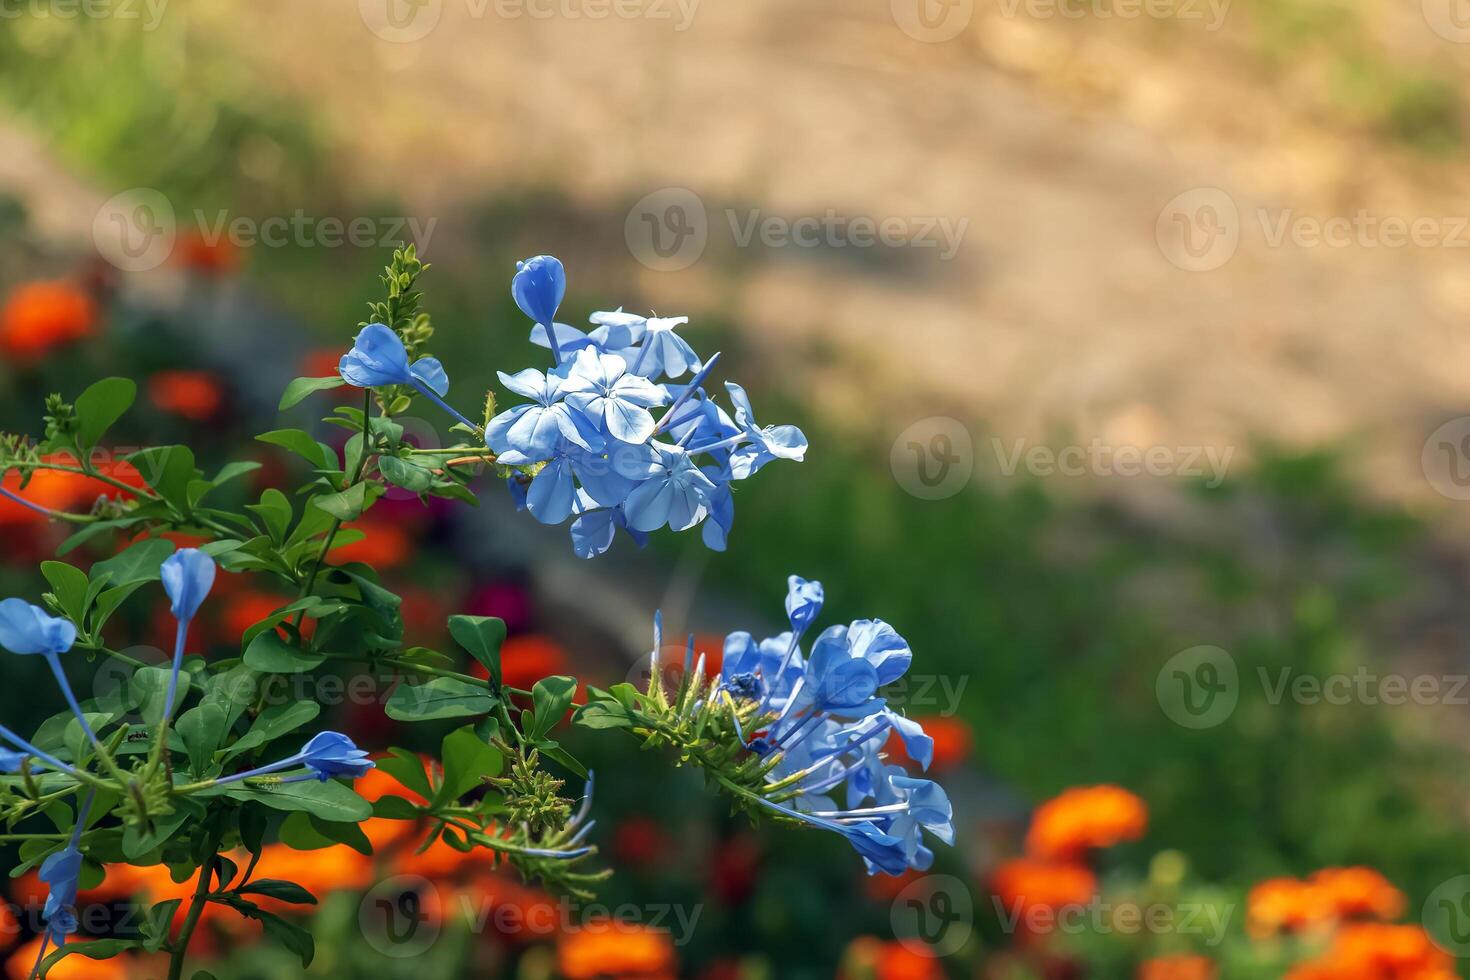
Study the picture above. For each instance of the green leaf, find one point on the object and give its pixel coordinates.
(70, 586)
(345, 505)
(298, 390)
(304, 832)
(442, 697)
(273, 722)
(482, 637)
(108, 602)
(284, 891)
(320, 456)
(551, 697)
(275, 513)
(466, 759)
(269, 653)
(329, 800)
(139, 562)
(409, 476)
(157, 923)
(288, 934)
(149, 690)
(101, 405)
(408, 769)
(233, 471)
(136, 843)
(97, 949)
(169, 470)
(203, 729)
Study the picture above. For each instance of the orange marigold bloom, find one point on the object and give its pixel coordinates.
(1278, 904)
(1182, 966)
(1027, 887)
(871, 957)
(1376, 951)
(619, 950)
(1081, 818)
(41, 315)
(1359, 893)
(194, 395)
(386, 544)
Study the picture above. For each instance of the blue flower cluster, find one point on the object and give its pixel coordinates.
(829, 728)
(187, 576)
(588, 433)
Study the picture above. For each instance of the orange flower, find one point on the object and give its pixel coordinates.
(952, 741)
(1329, 896)
(386, 544)
(1285, 904)
(1375, 951)
(42, 315)
(196, 252)
(1182, 966)
(870, 957)
(194, 395)
(74, 966)
(617, 950)
(1085, 817)
(1033, 890)
(1359, 893)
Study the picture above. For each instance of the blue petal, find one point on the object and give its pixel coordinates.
(539, 286)
(627, 421)
(188, 575)
(592, 533)
(551, 494)
(648, 506)
(377, 358)
(431, 373)
(25, 628)
(803, 601)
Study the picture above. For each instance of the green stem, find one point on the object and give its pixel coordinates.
(321, 556)
(196, 908)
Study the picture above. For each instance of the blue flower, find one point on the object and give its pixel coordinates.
(61, 873)
(539, 286)
(677, 494)
(534, 430)
(334, 754)
(663, 351)
(28, 629)
(838, 682)
(12, 761)
(825, 727)
(803, 601)
(600, 387)
(378, 358)
(327, 754)
(766, 444)
(188, 575)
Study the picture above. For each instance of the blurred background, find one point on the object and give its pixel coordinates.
(1129, 338)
